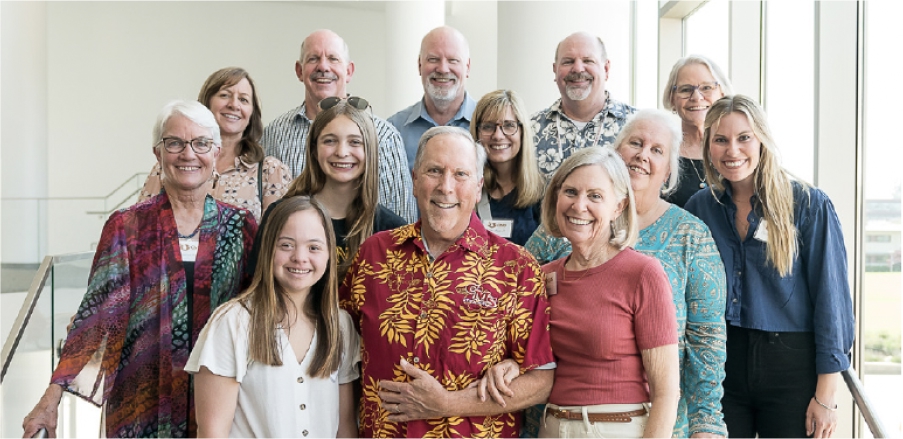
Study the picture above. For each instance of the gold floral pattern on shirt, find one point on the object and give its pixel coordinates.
(480, 302)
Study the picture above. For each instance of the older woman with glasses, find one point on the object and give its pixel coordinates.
(512, 185)
(243, 176)
(162, 266)
(649, 145)
(694, 84)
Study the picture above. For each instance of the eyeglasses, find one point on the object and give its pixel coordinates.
(686, 91)
(355, 101)
(509, 127)
(175, 145)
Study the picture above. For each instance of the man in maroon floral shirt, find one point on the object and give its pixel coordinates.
(441, 301)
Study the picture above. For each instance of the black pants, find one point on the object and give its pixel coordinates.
(769, 379)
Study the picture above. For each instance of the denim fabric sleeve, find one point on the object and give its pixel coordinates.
(547, 248)
(824, 259)
(706, 335)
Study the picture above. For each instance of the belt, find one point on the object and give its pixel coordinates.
(596, 417)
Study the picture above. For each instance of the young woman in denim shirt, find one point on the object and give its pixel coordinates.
(789, 312)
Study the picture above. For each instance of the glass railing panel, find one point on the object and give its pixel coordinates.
(77, 417)
(30, 366)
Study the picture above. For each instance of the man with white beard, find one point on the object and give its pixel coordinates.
(585, 115)
(444, 64)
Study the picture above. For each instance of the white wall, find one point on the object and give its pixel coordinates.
(110, 66)
(529, 32)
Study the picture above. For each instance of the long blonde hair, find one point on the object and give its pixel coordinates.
(771, 182)
(269, 305)
(362, 213)
(527, 178)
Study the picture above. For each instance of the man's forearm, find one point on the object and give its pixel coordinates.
(529, 389)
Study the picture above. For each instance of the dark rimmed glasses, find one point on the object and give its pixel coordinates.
(355, 101)
(509, 127)
(175, 145)
(686, 91)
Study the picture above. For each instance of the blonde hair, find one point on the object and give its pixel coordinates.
(362, 213)
(268, 304)
(527, 178)
(771, 182)
(625, 228)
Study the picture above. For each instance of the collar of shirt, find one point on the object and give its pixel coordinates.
(473, 239)
(302, 113)
(240, 165)
(465, 111)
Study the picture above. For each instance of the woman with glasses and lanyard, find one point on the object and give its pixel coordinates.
(341, 174)
(694, 84)
(243, 177)
(162, 266)
(512, 185)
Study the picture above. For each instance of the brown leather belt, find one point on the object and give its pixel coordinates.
(596, 417)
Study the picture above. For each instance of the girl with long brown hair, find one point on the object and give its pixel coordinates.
(341, 173)
(280, 360)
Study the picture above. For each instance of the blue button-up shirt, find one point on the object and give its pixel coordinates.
(814, 297)
(413, 121)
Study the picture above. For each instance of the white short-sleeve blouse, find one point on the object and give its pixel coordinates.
(274, 401)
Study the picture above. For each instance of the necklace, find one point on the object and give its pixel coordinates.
(696, 171)
(195, 232)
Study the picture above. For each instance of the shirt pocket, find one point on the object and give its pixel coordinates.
(768, 280)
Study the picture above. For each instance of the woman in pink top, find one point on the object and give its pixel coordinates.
(613, 324)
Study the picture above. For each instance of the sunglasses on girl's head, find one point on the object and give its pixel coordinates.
(355, 101)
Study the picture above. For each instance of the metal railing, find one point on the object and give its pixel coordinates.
(31, 300)
(850, 376)
(863, 404)
(108, 200)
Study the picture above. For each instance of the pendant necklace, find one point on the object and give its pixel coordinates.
(696, 171)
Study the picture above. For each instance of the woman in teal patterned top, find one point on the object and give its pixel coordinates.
(649, 144)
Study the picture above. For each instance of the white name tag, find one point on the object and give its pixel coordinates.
(762, 231)
(500, 227)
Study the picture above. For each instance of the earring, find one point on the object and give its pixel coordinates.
(614, 232)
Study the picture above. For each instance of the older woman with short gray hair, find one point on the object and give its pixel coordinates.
(162, 266)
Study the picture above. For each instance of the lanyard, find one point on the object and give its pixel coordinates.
(558, 133)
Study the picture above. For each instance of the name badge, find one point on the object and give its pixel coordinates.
(551, 284)
(762, 231)
(500, 227)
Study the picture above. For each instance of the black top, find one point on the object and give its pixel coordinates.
(692, 175)
(526, 219)
(385, 220)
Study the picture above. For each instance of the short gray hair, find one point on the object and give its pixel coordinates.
(191, 110)
(726, 88)
(668, 121)
(452, 131)
(626, 228)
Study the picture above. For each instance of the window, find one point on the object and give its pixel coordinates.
(881, 284)
(706, 32)
(790, 83)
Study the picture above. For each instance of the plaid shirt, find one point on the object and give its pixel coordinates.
(546, 124)
(286, 137)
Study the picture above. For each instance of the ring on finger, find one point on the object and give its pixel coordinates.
(397, 408)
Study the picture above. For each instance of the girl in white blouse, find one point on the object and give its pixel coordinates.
(280, 359)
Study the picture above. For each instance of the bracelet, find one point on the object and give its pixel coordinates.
(820, 403)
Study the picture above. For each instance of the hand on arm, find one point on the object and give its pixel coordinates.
(215, 399)
(662, 371)
(820, 421)
(497, 381)
(44, 414)
(425, 398)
